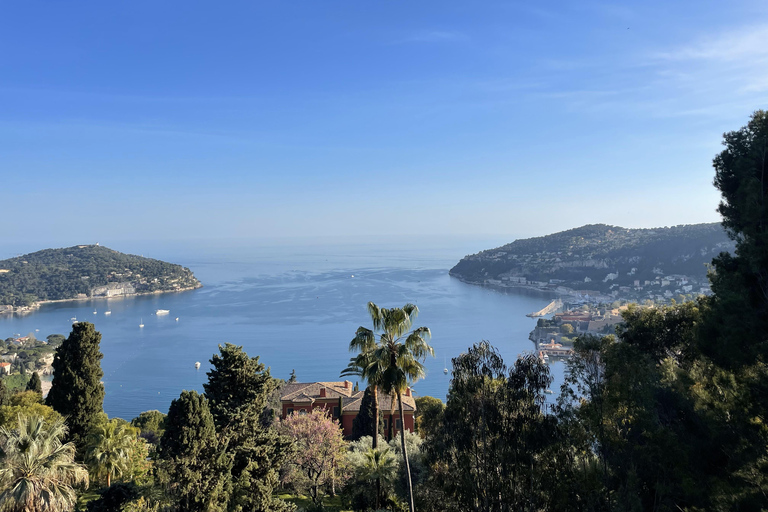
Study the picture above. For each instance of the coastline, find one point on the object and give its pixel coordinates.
(26, 310)
(558, 291)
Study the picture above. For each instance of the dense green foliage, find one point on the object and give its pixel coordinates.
(77, 391)
(56, 274)
(192, 465)
(493, 441)
(38, 472)
(151, 425)
(595, 250)
(239, 388)
(34, 384)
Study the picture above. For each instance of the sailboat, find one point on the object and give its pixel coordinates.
(445, 367)
(141, 324)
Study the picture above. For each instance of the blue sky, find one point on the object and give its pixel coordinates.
(177, 120)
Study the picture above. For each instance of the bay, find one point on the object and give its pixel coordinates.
(295, 304)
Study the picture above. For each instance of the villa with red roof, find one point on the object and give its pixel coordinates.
(342, 403)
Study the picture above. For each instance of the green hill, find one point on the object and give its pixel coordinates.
(601, 258)
(86, 271)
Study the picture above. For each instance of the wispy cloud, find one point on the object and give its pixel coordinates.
(736, 45)
(735, 60)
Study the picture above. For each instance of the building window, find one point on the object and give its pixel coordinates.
(385, 425)
(336, 411)
(289, 411)
(302, 412)
(398, 424)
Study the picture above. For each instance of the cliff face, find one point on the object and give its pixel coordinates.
(86, 271)
(602, 258)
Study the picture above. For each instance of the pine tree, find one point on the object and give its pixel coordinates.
(34, 384)
(195, 472)
(239, 388)
(76, 391)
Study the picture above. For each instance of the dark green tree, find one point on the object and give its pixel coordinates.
(363, 423)
(34, 384)
(239, 388)
(488, 453)
(429, 414)
(735, 332)
(76, 391)
(194, 470)
(4, 394)
(151, 424)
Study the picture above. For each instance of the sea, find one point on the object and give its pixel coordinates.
(294, 303)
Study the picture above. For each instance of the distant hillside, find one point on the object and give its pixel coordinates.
(601, 258)
(86, 271)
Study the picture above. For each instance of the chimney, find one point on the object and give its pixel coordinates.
(407, 391)
(347, 384)
(322, 392)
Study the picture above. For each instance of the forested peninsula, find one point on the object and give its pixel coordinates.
(598, 259)
(83, 272)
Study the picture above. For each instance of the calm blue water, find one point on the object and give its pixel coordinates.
(296, 305)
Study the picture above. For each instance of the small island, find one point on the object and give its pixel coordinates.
(85, 272)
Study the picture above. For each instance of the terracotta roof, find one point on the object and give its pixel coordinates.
(352, 404)
(302, 392)
(312, 389)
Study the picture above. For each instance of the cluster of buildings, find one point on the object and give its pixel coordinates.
(554, 340)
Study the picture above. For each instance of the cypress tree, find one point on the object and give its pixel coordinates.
(76, 390)
(239, 388)
(362, 425)
(34, 384)
(3, 392)
(194, 470)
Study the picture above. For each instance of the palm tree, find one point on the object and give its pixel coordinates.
(363, 366)
(108, 449)
(37, 471)
(399, 356)
(379, 465)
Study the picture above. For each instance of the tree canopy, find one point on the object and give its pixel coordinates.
(77, 391)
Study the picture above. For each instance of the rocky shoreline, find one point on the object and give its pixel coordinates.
(25, 310)
(559, 291)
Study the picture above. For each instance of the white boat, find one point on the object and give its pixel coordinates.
(141, 325)
(94, 312)
(197, 366)
(177, 319)
(73, 318)
(107, 312)
(445, 367)
(161, 312)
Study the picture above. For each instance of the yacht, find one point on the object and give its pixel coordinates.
(108, 312)
(197, 367)
(141, 325)
(161, 312)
